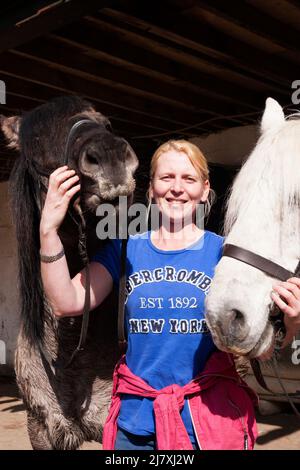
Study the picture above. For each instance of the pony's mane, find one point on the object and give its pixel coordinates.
(26, 219)
(270, 176)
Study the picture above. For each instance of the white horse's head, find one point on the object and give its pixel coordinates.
(263, 216)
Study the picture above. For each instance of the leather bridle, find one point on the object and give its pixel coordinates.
(257, 261)
(276, 316)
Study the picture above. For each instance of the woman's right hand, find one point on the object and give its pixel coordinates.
(61, 189)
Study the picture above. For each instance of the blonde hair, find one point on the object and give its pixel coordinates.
(196, 158)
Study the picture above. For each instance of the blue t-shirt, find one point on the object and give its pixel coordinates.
(168, 340)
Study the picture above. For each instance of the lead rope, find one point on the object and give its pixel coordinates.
(279, 337)
(59, 364)
(122, 298)
(280, 333)
(87, 298)
(274, 361)
(82, 251)
(285, 392)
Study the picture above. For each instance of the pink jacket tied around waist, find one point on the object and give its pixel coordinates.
(220, 402)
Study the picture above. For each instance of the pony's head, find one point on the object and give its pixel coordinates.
(263, 216)
(66, 130)
(94, 151)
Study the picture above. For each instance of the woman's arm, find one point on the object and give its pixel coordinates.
(66, 295)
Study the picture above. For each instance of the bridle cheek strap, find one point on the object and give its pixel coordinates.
(258, 262)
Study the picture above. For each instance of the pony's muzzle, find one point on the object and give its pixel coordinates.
(233, 328)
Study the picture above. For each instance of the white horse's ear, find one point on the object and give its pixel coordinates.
(273, 116)
(10, 127)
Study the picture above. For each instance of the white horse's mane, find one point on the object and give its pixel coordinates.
(271, 175)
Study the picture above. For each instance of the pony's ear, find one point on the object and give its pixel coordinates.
(273, 116)
(10, 127)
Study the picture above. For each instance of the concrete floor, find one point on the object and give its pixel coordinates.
(279, 432)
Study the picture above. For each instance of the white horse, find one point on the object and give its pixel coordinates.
(263, 216)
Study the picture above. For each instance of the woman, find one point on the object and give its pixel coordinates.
(168, 391)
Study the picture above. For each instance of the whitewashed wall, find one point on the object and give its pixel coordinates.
(229, 147)
(9, 305)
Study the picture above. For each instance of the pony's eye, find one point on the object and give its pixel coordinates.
(91, 159)
(108, 126)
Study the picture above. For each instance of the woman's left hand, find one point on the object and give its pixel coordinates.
(286, 295)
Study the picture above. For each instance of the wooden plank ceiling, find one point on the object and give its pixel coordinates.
(159, 69)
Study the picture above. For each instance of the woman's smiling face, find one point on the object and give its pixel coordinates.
(177, 187)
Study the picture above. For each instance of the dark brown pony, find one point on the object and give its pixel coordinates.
(65, 406)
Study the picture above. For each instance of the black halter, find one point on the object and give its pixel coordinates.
(88, 123)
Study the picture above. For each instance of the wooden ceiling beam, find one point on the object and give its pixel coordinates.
(99, 33)
(117, 46)
(138, 63)
(197, 116)
(117, 90)
(45, 93)
(45, 17)
(193, 34)
(286, 11)
(15, 64)
(74, 56)
(272, 34)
